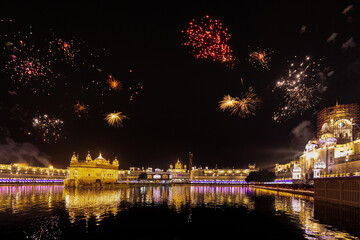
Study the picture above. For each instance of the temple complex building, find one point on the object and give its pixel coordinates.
(92, 172)
(336, 150)
(284, 172)
(24, 173)
(223, 175)
(179, 173)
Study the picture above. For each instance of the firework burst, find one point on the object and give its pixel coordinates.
(244, 106)
(114, 84)
(115, 119)
(66, 49)
(81, 109)
(50, 128)
(261, 57)
(208, 39)
(302, 88)
(228, 103)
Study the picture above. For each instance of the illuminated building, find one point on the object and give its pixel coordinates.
(130, 175)
(92, 172)
(224, 175)
(151, 176)
(336, 150)
(285, 172)
(179, 173)
(158, 176)
(23, 173)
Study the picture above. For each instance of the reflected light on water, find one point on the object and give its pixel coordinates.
(25, 202)
(87, 203)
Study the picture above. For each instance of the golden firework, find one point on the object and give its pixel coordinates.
(261, 57)
(115, 119)
(81, 109)
(228, 102)
(114, 84)
(241, 106)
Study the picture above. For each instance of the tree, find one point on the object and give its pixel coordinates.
(260, 176)
(142, 176)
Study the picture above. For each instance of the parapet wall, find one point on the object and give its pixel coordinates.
(342, 190)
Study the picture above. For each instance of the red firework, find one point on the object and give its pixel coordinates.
(208, 39)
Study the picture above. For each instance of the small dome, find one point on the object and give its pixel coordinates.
(297, 169)
(319, 165)
(74, 158)
(88, 157)
(115, 162)
(311, 146)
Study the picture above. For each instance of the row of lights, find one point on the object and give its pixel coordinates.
(29, 180)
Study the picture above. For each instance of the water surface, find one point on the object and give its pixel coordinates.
(167, 212)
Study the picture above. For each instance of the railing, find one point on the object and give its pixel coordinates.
(334, 175)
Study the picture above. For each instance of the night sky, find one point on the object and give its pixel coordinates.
(176, 109)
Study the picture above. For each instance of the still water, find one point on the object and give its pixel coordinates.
(168, 212)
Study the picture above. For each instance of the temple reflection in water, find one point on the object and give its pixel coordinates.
(91, 203)
(97, 205)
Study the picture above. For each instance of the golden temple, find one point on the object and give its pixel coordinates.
(92, 172)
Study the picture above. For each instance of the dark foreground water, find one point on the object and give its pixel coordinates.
(169, 212)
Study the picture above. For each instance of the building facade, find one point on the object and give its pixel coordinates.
(24, 173)
(179, 173)
(336, 150)
(286, 172)
(92, 172)
(224, 175)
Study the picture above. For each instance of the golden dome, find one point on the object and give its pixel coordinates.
(88, 157)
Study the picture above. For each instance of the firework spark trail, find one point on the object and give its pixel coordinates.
(31, 72)
(36, 62)
(27, 66)
(50, 128)
(135, 89)
(301, 87)
(115, 119)
(64, 50)
(243, 107)
(208, 39)
(261, 57)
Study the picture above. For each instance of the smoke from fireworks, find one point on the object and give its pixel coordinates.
(261, 57)
(301, 86)
(115, 119)
(49, 128)
(244, 106)
(208, 39)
